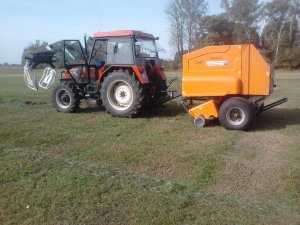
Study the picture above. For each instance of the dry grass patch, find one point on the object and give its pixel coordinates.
(256, 169)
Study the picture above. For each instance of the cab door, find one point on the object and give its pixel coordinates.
(75, 61)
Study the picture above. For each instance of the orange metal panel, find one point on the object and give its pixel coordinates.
(211, 86)
(207, 109)
(212, 71)
(245, 54)
(225, 70)
(260, 72)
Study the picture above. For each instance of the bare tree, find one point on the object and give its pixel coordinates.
(278, 14)
(245, 14)
(214, 30)
(177, 21)
(184, 17)
(193, 11)
(295, 17)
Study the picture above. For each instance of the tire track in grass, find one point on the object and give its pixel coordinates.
(161, 201)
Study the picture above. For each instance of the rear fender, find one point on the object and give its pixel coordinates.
(138, 72)
(158, 69)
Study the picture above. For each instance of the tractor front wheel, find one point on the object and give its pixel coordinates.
(121, 94)
(237, 114)
(66, 98)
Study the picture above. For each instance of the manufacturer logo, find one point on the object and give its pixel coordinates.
(218, 63)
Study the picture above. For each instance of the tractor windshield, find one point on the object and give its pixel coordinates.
(145, 48)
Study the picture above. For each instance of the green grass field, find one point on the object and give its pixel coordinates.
(91, 168)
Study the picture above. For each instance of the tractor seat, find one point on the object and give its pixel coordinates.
(99, 64)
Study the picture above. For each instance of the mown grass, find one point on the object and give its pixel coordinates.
(91, 168)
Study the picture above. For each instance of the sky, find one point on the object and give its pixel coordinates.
(24, 21)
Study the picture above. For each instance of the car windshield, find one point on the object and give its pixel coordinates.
(145, 48)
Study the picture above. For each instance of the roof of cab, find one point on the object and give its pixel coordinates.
(123, 33)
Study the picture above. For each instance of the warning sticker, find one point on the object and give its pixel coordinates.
(218, 63)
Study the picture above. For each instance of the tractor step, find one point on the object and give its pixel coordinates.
(274, 104)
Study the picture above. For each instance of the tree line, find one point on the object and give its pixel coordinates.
(5, 64)
(273, 27)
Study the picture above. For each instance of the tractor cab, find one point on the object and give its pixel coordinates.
(132, 49)
(113, 49)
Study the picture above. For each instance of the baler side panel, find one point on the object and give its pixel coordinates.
(212, 71)
(259, 77)
(245, 57)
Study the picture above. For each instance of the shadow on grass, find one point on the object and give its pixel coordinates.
(35, 103)
(276, 119)
(170, 109)
(273, 119)
(90, 110)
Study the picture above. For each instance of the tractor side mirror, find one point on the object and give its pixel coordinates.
(116, 47)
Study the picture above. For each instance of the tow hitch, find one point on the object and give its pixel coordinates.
(274, 104)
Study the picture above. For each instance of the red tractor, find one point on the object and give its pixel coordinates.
(120, 70)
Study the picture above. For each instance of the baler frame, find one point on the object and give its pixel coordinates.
(232, 80)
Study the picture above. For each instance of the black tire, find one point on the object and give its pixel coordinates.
(158, 98)
(65, 98)
(260, 109)
(121, 94)
(159, 83)
(237, 114)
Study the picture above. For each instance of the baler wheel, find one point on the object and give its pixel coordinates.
(65, 98)
(237, 114)
(121, 94)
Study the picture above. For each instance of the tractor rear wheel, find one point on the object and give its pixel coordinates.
(65, 98)
(121, 94)
(237, 114)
